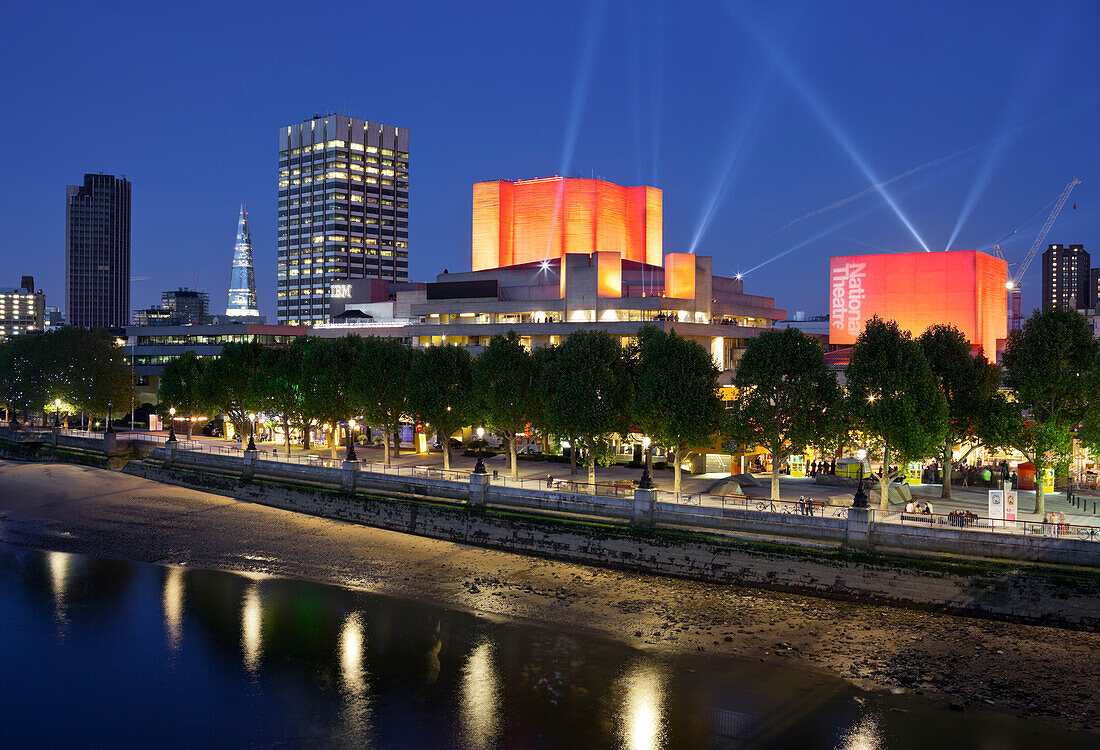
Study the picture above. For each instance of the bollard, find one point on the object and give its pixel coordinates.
(479, 486)
(349, 475)
(642, 514)
(248, 465)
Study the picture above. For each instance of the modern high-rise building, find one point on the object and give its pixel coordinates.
(343, 210)
(178, 307)
(22, 310)
(242, 306)
(97, 252)
(1066, 272)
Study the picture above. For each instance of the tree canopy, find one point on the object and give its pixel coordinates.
(894, 398)
(787, 399)
(507, 384)
(441, 391)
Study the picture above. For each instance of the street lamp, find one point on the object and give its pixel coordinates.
(107, 428)
(351, 442)
(479, 467)
(172, 425)
(57, 412)
(251, 431)
(860, 500)
(646, 482)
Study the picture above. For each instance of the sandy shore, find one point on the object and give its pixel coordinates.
(1018, 668)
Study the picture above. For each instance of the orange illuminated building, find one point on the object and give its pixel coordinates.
(534, 220)
(965, 288)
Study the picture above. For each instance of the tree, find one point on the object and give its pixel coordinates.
(969, 385)
(676, 398)
(328, 366)
(894, 397)
(105, 382)
(1048, 363)
(588, 389)
(230, 384)
(380, 383)
(24, 386)
(506, 380)
(441, 391)
(181, 386)
(279, 382)
(787, 399)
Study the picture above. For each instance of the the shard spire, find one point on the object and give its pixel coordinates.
(242, 280)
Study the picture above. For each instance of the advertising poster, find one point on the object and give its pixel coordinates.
(798, 465)
(1048, 481)
(996, 507)
(1010, 508)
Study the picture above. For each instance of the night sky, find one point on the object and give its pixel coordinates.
(765, 111)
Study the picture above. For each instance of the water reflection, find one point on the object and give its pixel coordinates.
(181, 658)
(863, 736)
(172, 601)
(252, 627)
(351, 655)
(641, 717)
(481, 698)
(58, 564)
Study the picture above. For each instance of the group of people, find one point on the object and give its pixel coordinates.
(805, 505)
(822, 467)
(961, 518)
(921, 508)
(1054, 523)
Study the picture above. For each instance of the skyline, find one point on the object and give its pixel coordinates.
(984, 131)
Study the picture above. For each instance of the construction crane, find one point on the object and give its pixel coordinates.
(1015, 319)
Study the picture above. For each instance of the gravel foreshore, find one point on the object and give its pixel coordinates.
(1022, 669)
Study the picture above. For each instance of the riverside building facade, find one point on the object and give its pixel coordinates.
(22, 310)
(565, 288)
(343, 210)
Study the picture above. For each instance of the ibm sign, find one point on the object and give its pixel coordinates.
(339, 291)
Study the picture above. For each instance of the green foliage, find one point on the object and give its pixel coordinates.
(1050, 365)
(327, 369)
(676, 398)
(787, 399)
(231, 383)
(506, 382)
(86, 369)
(380, 384)
(181, 388)
(441, 391)
(279, 385)
(893, 395)
(588, 390)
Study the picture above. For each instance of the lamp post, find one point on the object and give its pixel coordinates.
(251, 431)
(646, 482)
(107, 428)
(479, 467)
(57, 412)
(351, 442)
(172, 425)
(860, 500)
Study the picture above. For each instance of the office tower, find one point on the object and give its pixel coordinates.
(343, 210)
(178, 307)
(22, 310)
(1066, 271)
(97, 252)
(242, 279)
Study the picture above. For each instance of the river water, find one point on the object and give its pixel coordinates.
(103, 653)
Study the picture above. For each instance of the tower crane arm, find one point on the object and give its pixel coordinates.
(1058, 205)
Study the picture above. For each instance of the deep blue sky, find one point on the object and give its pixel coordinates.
(186, 101)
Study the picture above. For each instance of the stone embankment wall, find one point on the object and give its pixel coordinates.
(991, 590)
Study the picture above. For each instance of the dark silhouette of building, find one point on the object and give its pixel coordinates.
(1066, 278)
(179, 307)
(97, 252)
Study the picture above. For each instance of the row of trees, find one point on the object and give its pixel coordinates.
(85, 369)
(904, 398)
(908, 398)
(586, 390)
